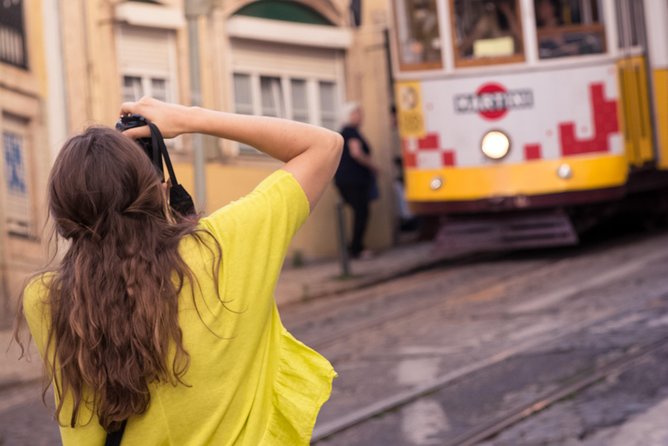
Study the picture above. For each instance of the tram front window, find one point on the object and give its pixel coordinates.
(569, 28)
(487, 31)
(418, 33)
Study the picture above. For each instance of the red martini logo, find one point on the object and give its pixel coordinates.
(492, 101)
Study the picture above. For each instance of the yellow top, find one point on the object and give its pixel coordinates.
(253, 384)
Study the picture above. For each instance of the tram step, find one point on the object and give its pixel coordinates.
(499, 232)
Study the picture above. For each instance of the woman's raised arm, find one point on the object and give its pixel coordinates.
(311, 153)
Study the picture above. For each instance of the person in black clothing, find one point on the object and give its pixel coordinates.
(356, 177)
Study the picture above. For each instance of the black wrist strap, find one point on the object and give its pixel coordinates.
(115, 438)
(156, 139)
(179, 198)
(159, 141)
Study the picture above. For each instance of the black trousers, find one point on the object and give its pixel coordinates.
(356, 195)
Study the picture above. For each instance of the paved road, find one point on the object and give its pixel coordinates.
(24, 420)
(492, 348)
(491, 334)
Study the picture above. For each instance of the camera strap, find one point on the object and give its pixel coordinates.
(179, 198)
(156, 141)
(114, 438)
(160, 149)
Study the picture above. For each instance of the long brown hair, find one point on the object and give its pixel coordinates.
(113, 299)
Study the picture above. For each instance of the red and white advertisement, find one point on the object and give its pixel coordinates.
(569, 111)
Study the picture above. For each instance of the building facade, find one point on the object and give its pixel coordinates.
(65, 65)
(298, 60)
(25, 157)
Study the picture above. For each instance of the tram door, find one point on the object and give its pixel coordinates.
(634, 81)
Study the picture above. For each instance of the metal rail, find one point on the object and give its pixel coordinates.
(408, 396)
(403, 398)
(575, 384)
(426, 308)
(400, 399)
(415, 284)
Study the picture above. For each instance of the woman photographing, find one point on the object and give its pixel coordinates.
(167, 325)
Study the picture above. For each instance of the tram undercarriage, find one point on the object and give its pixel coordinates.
(555, 220)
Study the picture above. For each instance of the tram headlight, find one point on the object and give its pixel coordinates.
(495, 145)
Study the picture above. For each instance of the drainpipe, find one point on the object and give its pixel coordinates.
(56, 102)
(194, 9)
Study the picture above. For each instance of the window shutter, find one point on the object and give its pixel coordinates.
(146, 50)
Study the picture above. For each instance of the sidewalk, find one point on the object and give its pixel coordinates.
(295, 285)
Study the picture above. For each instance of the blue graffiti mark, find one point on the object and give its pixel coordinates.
(14, 164)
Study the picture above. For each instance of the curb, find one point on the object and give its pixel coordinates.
(362, 282)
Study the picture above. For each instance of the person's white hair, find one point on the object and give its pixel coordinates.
(347, 110)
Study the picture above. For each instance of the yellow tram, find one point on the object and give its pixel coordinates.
(521, 120)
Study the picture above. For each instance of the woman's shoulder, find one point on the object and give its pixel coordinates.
(36, 291)
(263, 220)
(277, 194)
(36, 306)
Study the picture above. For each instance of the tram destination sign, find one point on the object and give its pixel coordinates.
(493, 101)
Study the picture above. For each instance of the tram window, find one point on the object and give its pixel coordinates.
(569, 28)
(418, 34)
(487, 31)
(630, 23)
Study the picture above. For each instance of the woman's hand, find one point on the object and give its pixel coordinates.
(171, 119)
(311, 153)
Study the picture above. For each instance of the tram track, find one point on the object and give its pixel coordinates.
(400, 285)
(330, 428)
(411, 311)
(317, 310)
(489, 290)
(486, 288)
(575, 384)
(403, 398)
(396, 300)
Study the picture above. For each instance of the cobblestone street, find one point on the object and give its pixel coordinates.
(500, 335)
(462, 205)
(24, 421)
(434, 356)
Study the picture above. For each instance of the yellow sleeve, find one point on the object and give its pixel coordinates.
(255, 232)
(37, 311)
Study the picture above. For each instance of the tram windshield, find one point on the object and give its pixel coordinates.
(569, 28)
(418, 33)
(487, 31)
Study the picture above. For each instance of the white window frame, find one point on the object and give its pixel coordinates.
(625, 27)
(529, 31)
(290, 102)
(146, 77)
(312, 92)
(170, 75)
(337, 101)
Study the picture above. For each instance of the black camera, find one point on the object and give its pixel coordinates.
(156, 150)
(131, 121)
